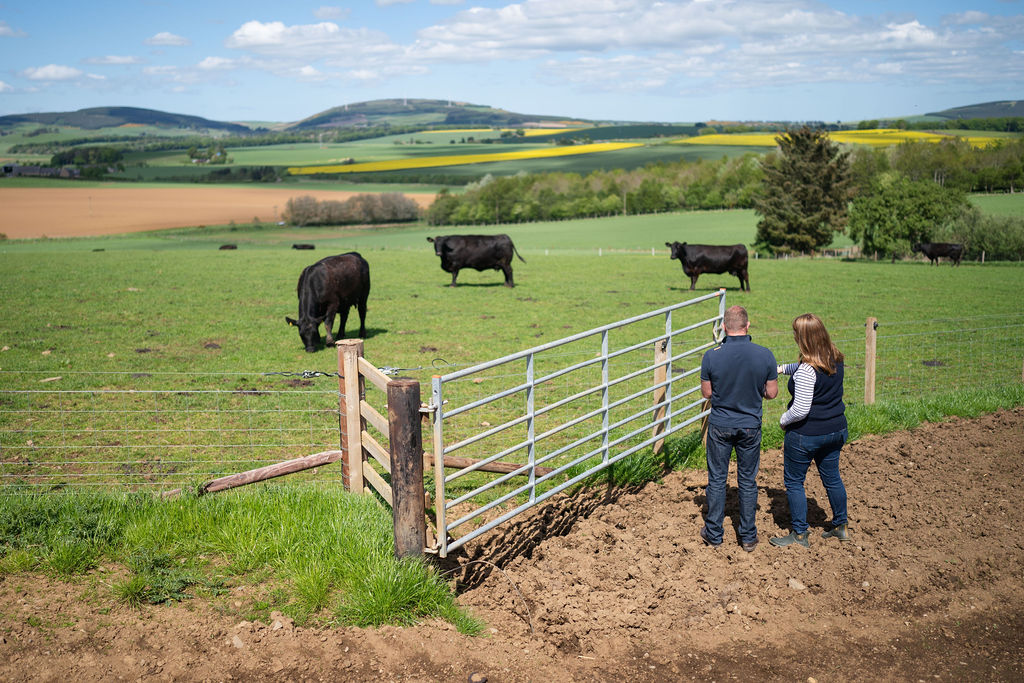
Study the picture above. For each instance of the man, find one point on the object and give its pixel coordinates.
(735, 375)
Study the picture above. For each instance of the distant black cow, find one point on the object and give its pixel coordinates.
(482, 252)
(303, 246)
(954, 251)
(329, 286)
(224, 247)
(711, 258)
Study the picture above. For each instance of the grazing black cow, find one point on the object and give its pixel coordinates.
(711, 258)
(224, 247)
(483, 252)
(329, 286)
(954, 251)
(303, 246)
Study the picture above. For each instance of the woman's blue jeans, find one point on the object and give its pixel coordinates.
(799, 451)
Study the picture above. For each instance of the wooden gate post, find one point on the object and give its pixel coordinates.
(660, 392)
(870, 337)
(353, 390)
(406, 438)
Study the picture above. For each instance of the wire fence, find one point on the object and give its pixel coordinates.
(159, 431)
(157, 437)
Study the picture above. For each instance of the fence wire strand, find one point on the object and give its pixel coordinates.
(63, 430)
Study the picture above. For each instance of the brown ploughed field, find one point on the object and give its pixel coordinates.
(85, 211)
(616, 586)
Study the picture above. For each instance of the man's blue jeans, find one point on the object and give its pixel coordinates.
(721, 442)
(798, 452)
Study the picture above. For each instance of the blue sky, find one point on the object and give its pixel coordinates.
(646, 60)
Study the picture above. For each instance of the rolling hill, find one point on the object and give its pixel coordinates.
(113, 117)
(986, 110)
(422, 112)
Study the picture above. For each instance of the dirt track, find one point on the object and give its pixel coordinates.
(617, 587)
(79, 212)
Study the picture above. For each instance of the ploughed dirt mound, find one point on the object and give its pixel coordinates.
(616, 585)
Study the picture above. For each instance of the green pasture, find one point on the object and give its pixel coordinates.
(1000, 204)
(169, 320)
(172, 290)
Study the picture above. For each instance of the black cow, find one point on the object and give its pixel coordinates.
(303, 246)
(711, 258)
(483, 252)
(954, 251)
(329, 286)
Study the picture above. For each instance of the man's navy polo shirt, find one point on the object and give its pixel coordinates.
(737, 370)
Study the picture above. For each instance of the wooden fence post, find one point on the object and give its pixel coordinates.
(660, 392)
(353, 390)
(406, 438)
(870, 336)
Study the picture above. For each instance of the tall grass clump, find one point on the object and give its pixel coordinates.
(324, 554)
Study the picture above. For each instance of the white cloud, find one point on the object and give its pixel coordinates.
(167, 39)
(386, 3)
(113, 60)
(52, 72)
(256, 35)
(7, 32)
(5, 87)
(217, 63)
(310, 73)
(644, 45)
(331, 12)
(293, 46)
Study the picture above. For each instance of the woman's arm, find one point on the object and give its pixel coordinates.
(787, 368)
(803, 392)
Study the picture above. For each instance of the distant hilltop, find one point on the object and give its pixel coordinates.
(988, 110)
(112, 117)
(389, 112)
(426, 112)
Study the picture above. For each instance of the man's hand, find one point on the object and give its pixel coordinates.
(771, 389)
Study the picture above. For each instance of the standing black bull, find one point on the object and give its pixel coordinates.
(483, 252)
(934, 250)
(709, 258)
(329, 286)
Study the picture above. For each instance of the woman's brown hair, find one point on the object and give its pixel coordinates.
(816, 347)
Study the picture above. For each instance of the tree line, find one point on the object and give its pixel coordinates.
(887, 199)
(659, 187)
(390, 207)
(743, 182)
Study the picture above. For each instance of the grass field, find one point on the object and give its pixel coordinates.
(178, 336)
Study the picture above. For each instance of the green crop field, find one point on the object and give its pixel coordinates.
(153, 166)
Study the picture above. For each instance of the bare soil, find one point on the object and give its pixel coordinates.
(87, 211)
(615, 585)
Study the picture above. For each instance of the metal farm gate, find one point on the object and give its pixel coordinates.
(556, 414)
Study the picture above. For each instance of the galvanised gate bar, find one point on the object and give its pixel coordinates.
(564, 411)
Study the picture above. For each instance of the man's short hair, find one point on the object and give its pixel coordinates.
(735, 319)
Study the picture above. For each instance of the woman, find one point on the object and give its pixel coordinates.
(815, 425)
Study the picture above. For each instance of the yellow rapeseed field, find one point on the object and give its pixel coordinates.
(879, 137)
(460, 159)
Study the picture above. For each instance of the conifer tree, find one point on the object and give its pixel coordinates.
(806, 189)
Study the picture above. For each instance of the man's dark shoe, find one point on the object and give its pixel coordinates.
(839, 532)
(707, 541)
(792, 537)
(749, 547)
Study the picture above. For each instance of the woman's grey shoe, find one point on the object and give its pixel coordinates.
(793, 537)
(839, 532)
